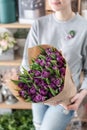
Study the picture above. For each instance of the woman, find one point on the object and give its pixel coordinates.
(66, 31)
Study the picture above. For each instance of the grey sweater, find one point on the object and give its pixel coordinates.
(49, 30)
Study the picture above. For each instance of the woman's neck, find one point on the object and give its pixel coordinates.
(64, 15)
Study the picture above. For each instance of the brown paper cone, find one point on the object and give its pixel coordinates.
(35, 51)
(64, 96)
(69, 89)
(13, 88)
(67, 93)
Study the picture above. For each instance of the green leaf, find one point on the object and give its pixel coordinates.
(35, 86)
(47, 81)
(28, 99)
(57, 91)
(33, 60)
(30, 81)
(23, 80)
(57, 73)
(34, 66)
(41, 68)
(16, 89)
(53, 56)
(42, 57)
(54, 49)
(23, 75)
(40, 77)
(42, 49)
(53, 62)
(15, 81)
(62, 81)
(52, 91)
(51, 70)
(26, 73)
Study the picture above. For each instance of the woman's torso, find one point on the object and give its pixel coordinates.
(54, 32)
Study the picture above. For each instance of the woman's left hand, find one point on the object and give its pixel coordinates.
(77, 100)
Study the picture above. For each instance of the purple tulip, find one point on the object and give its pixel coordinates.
(37, 73)
(48, 64)
(61, 88)
(32, 90)
(39, 98)
(42, 83)
(22, 93)
(48, 59)
(58, 81)
(43, 92)
(45, 86)
(38, 61)
(42, 63)
(52, 85)
(25, 87)
(45, 74)
(60, 66)
(58, 59)
(62, 71)
(52, 79)
(55, 67)
(57, 53)
(50, 95)
(36, 80)
(30, 71)
(28, 92)
(20, 85)
(48, 51)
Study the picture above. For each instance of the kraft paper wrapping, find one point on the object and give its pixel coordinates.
(64, 96)
(69, 89)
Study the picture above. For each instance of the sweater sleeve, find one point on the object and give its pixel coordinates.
(84, 64)
(32, 40)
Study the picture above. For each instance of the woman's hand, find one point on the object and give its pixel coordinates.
(77, 100)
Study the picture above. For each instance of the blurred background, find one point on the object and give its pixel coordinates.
(16, 18)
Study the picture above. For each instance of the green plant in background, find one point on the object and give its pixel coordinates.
(18, 120)
(21, 33)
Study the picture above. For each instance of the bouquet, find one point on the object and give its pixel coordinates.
(48, 79)
(6, 42)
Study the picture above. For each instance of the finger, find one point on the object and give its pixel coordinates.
(74, 98)
(73, 107)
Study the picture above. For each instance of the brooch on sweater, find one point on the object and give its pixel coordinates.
(70, 35)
